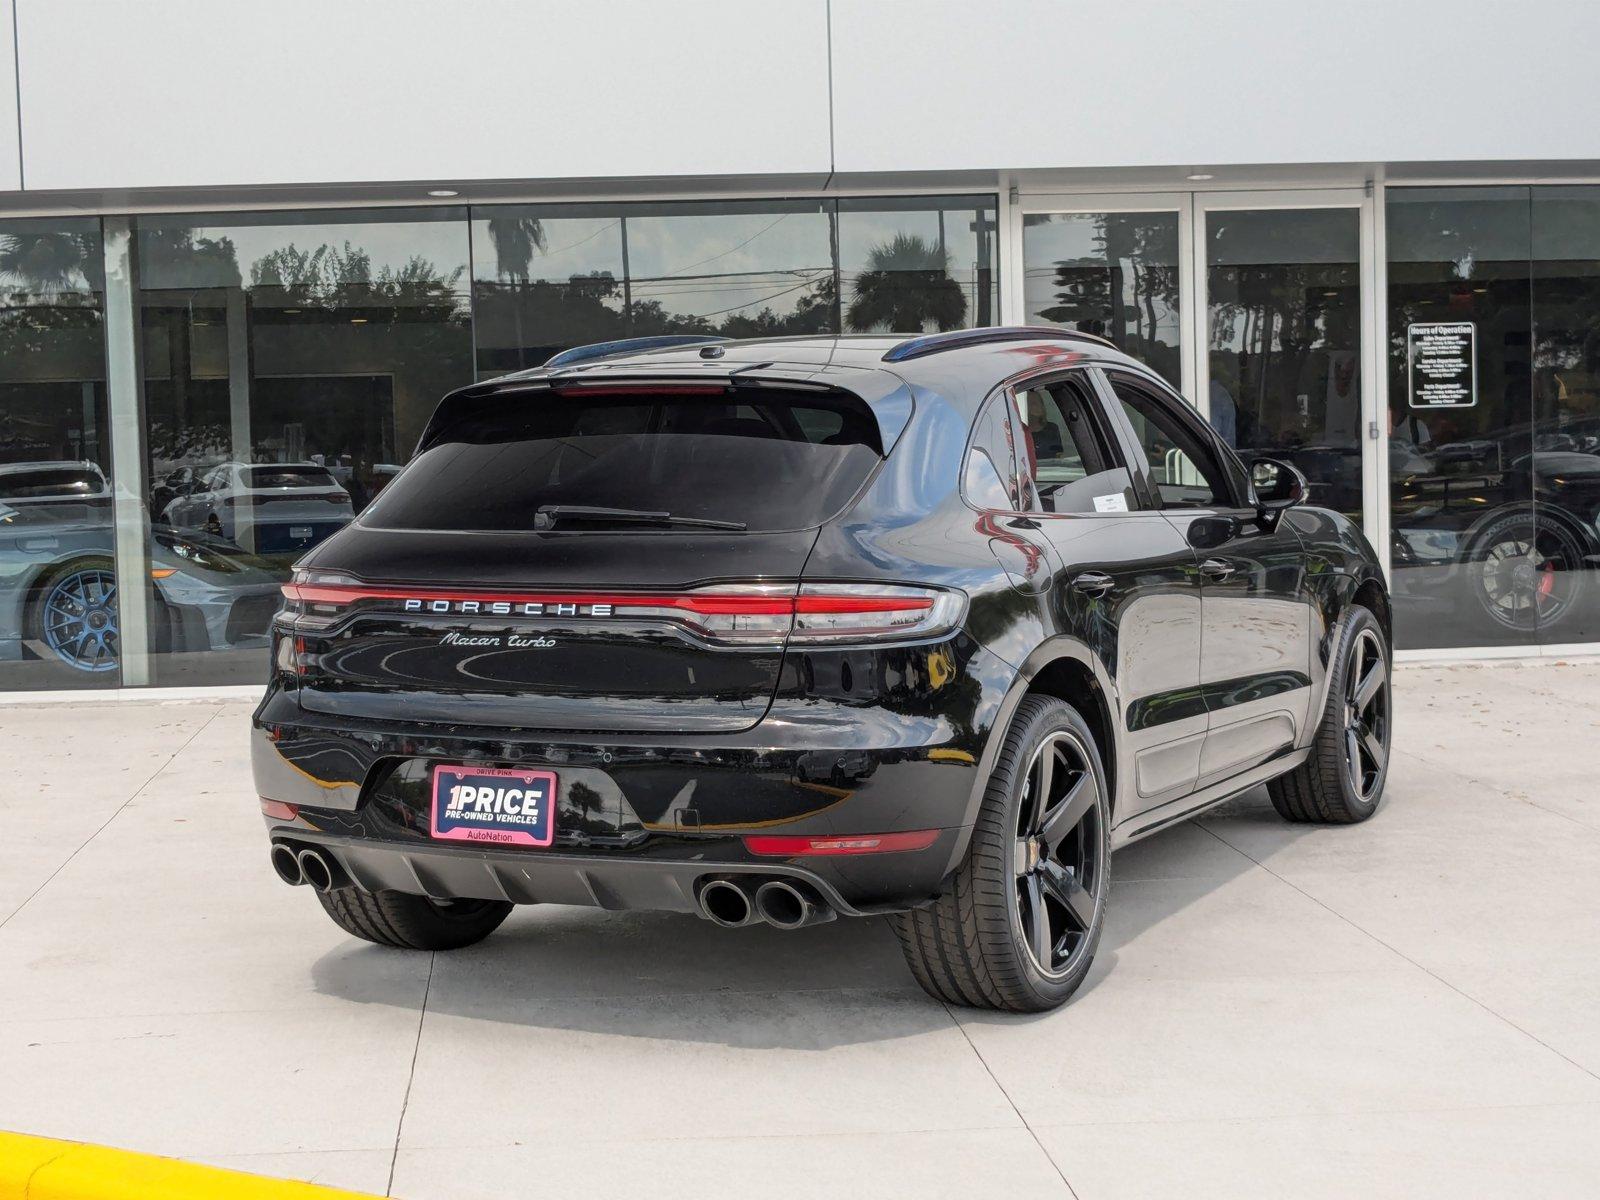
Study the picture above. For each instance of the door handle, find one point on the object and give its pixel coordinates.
(1093, 583)
(1217, 569)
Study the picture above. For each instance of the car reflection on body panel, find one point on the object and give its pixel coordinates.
(58, 587)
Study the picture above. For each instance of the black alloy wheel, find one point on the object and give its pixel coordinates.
(1019, 924)
(1057, 858)
(1341, 781)
(1366, 715)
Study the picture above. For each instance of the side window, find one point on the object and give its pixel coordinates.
(989, 478)
(1183, 466)
(1065, 459)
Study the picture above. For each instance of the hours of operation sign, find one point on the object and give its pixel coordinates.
(1442, 364)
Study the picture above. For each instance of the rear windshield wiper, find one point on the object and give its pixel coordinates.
(547, 515)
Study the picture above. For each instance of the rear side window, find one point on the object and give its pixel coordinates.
(989, 478)
(761, 458)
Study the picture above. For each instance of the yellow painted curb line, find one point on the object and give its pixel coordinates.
(36, 1168)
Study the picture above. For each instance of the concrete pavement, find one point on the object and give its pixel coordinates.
(1405, 1008)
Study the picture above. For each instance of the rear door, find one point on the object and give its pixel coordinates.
(1128, 586)
(604, 557)
(1255, 654)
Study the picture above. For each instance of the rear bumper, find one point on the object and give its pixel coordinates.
(641, 821)
(892, 883)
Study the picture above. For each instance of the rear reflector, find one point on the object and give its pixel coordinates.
(278, 810)
(866, 843)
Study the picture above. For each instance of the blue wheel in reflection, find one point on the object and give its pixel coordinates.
(78, 619)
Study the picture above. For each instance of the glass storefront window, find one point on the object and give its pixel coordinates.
(1110, 273)
(547, 277)
(290, 361)
(1563, 465)
(1283, 296)
(1460, 493)
(917, 264)
(554, 276)
(59, 623)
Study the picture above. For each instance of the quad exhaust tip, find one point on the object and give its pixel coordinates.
(287, 864)
(726, 903)
(315, 868)
(785, 905)
(735, 903)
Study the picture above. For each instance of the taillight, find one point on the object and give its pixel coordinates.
(870, 612)
(735, 614)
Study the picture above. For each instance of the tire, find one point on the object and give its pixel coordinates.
(1327, 788)
(981, 944)
(410, 922)
(74, 615)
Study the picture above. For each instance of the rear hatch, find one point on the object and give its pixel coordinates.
(595, 556)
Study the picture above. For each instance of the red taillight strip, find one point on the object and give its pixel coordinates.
(713, 604)
(862, 843)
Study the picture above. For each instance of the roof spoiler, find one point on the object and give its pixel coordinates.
(664, 341)
(936, 343)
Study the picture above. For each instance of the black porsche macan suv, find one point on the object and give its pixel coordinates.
(787, 629)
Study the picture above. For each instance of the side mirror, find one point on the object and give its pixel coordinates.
(1277, 485)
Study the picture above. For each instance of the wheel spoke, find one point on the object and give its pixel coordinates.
(1064, 886)
(1043, 779)
(1374, 748)
(1352, 748)
(1066, 816)
(1358, 660)
(1038, 923)
(1370, 685)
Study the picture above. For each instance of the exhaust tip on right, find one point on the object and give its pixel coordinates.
(785, 905)
(316, 870)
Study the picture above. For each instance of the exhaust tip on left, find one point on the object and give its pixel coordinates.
(286, 864)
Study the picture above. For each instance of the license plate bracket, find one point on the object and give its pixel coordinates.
(492, 804)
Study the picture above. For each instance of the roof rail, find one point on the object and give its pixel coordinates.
(578, 354)
(935, 343)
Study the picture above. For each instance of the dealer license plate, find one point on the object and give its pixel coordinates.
(486, 804)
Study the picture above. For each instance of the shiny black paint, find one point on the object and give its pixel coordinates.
(826, 741)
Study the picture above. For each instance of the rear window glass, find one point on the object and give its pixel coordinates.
(280, 476)
(47, 482)
(767, 460)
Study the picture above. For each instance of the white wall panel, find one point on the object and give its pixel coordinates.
(10, 160)
(1066, 83)
(140, 93)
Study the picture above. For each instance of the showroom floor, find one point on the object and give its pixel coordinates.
(1405, 1008)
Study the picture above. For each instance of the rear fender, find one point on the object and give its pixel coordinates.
(1056, 649)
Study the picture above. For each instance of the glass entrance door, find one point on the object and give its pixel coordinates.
(1255, 305)
(1284, 371)
(1113, 265)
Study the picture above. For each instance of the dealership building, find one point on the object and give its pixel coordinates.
(244, 249)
